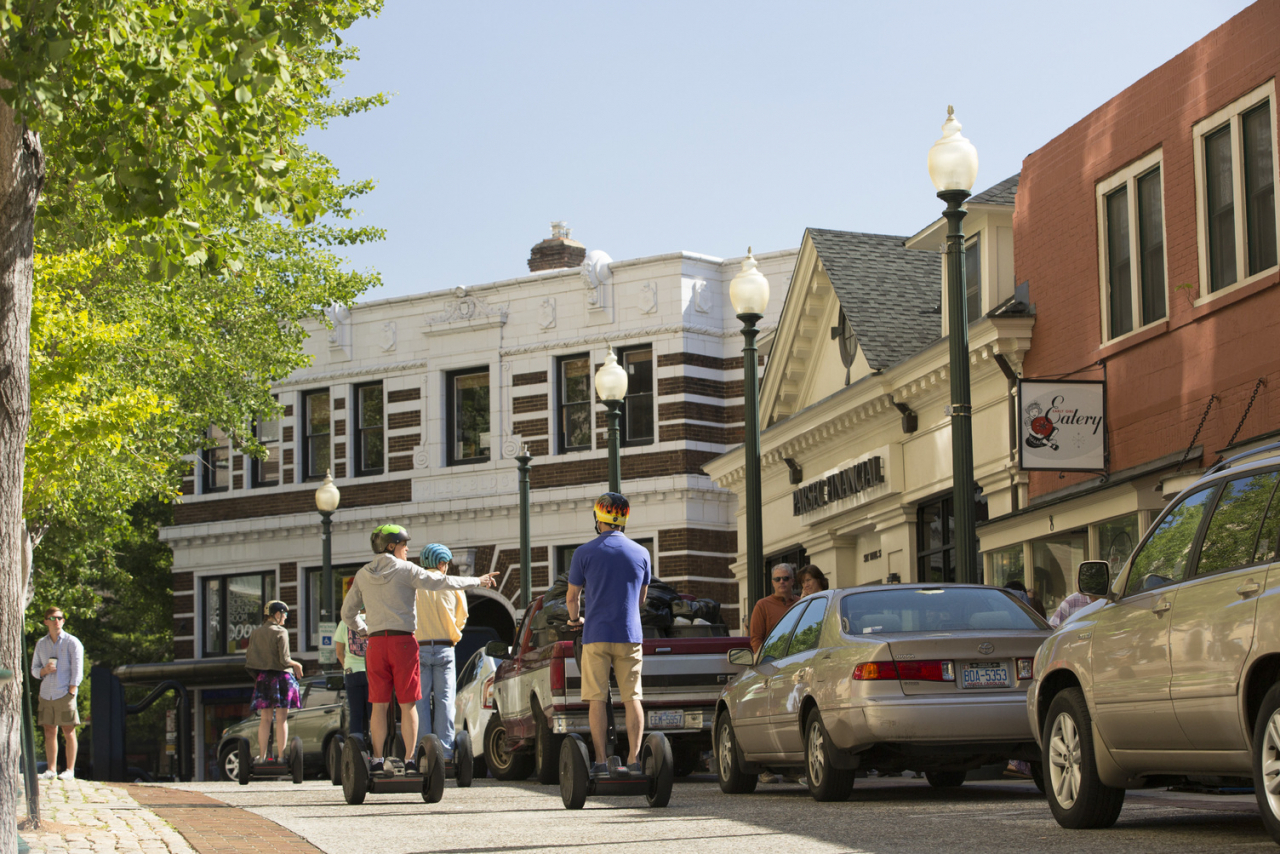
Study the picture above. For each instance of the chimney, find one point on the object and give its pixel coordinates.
(558, 252)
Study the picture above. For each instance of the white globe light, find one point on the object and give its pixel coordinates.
(327, 495)
(611, 379)
(953, 161)
(749, 290)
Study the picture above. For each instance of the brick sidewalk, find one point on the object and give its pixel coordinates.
(86, 817)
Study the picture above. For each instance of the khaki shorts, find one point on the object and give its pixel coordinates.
(59, 712)
(626, 660)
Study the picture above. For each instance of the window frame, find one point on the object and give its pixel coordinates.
(562, 443)
(223, 582)
(311, 584)
(973, 246)
(358, 430)
(1210, 491)
(306, 435)
(1127, 179)
(1231, 115)
(624, 439)
(209, 466)
(256, 481)
(564, 561)
(450, 378)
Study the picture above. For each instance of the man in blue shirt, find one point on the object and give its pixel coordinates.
(614, 574)
(58, 662)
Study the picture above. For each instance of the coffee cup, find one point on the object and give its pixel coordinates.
(53, 662)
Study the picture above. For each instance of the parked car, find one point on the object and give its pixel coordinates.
(316, 723)
(891, 678)
(1177, 670)
(473, 702)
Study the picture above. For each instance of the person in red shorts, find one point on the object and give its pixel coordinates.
(387, 588)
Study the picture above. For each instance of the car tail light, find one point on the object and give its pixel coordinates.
(561, 651)
(486, 694)
(1026, 668)
(927, 671)
(872, 670)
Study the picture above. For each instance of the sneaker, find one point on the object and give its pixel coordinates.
(599, 770)
(50, 774)
(410, 767)
(635, 769)
(375, 767)
(766, 777)
(69, 774)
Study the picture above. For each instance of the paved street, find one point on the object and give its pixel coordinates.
(884, 815)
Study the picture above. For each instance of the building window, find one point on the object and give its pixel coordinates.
(1053, 567)
(342, 576)
(973, 278)
(564, 561)
(637, 409)
(468, 421)
(647, 543)
(1006, 565)
(1131, 212)
(315, 432)
(1235, 193)
(575, 403)
(935, 539)
(215, 463)
(266, 472)
(232, 609)
(370, 433)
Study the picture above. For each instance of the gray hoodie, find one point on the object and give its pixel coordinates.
(387, 588)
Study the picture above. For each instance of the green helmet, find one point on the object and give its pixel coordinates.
(387, 535)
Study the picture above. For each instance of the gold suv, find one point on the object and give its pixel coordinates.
(1175, 669)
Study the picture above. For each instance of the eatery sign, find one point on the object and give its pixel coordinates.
(844, 483)
(1062, 425)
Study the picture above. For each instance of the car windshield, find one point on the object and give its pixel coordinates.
(933, 609)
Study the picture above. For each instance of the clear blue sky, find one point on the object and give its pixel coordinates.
(654, 126)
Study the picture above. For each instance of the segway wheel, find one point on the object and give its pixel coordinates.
(355, 771)
(463, 760)
(245, 755)
(655, 759)
(430, 756)
(335, 759)
(295, 759)
(575, 772)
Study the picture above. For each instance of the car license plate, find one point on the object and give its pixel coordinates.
(667, 719)
(985, 676)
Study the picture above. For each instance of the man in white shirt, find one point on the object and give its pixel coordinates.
(58, 663)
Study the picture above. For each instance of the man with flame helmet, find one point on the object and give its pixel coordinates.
(387, 588)
(614, 572)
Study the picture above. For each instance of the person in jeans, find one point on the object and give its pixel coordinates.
(442, 614)
(58, 662)
(350, 649)
(387, 587)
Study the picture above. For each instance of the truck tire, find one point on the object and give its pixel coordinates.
(503, 764)
(733, 780)
(546, 752)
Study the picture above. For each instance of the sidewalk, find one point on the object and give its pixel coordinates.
(85, 817)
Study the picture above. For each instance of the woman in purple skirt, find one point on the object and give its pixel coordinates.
(276, 675)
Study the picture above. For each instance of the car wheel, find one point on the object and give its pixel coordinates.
(1266, 761)
(481, 769)
(229, 763)
(826, 781)
(546, 752)
(503, 764)
(945, 779)
(733, 780)
(1077, 797)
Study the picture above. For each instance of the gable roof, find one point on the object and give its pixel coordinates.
(889, 293)
(1000, 194)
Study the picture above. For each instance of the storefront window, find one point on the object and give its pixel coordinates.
(1116, 539)
(233, 609)
(1007, 565)
(342, 576)
(1054, 562)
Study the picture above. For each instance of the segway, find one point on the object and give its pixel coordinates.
(463, 765)
(271, 768)
(577, 783)
(359, 780)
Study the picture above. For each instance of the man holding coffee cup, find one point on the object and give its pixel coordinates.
(59, 665)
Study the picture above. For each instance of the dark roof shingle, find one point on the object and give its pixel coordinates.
(1000, 194)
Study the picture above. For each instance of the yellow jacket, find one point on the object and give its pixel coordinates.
(441, 615)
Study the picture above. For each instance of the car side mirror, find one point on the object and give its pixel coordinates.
(1093, 577)
(497, 649)
(742, 657)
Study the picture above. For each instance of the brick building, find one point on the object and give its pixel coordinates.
(420, 404)
(1147, 232)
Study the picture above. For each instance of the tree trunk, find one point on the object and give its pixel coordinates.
(21, 177)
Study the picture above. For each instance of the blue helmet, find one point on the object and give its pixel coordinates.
(433, 553)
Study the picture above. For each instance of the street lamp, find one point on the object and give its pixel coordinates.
(749, 293)
(953, 166)
(611, 387)
(327, 497)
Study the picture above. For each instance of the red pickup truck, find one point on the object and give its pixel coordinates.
(537, 699)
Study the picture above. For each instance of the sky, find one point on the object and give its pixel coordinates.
(655, 127)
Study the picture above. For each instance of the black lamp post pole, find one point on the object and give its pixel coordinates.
(962, 495)
(751, 459)
(326, 564)
(526, 571)
(615, 441)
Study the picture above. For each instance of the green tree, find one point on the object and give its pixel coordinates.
(166, 137)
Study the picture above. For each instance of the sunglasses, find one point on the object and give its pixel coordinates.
(51, 619)
(782, 578)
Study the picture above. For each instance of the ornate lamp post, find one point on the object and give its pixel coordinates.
(953, 166)
(611, 387)
(327, 497)
(526, 570)
(749, 293)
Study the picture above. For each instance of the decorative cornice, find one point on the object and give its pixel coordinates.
(300, 380)
(624, 335)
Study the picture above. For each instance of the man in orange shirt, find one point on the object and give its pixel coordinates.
(769, 610)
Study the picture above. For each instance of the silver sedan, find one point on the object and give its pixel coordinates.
(898, 677)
